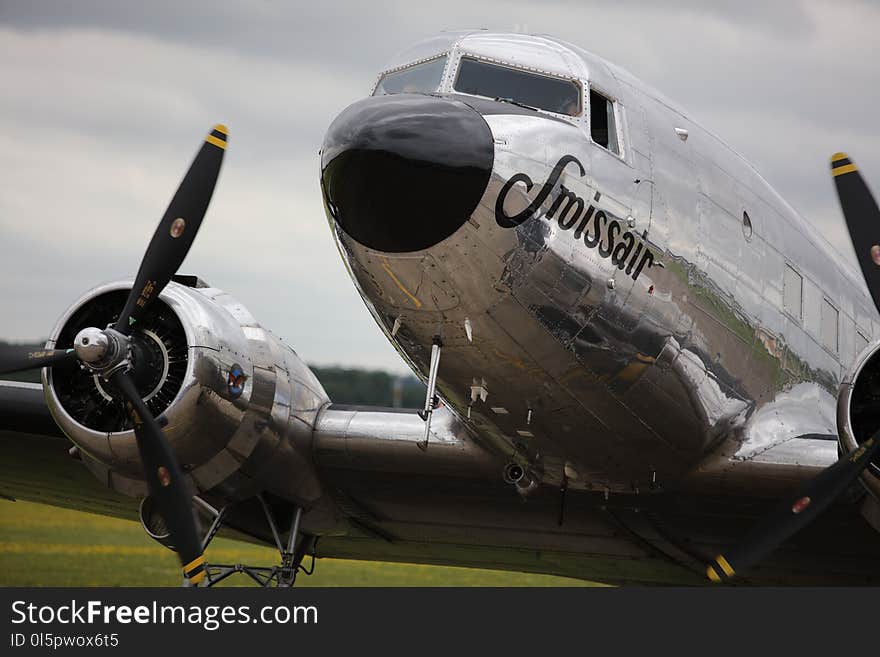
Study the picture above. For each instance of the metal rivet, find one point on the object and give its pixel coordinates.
(610, 283)
(177, 227)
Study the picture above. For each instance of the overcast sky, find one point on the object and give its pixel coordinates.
(103, 105)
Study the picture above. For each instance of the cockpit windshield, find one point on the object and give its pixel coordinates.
(480, 78)
(419, 78)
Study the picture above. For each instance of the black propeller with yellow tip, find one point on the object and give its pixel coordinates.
(177, 230)
(164, 480)
(863, 221)
(165, 253)
(794, 513)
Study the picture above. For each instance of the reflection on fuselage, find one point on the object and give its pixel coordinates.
(622, 317)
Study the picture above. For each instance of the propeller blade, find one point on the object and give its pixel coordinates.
(164, 479)
(177, 230)
(17, 359)
(796, 513)
(862, 219)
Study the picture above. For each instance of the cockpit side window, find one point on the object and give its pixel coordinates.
(419, 78)
(480, 78)
(603, 126)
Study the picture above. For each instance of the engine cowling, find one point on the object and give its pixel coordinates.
(858, 409)
(239, 406)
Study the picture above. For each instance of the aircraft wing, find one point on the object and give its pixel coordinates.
(388, 514)
(390, 506)
(36, 463)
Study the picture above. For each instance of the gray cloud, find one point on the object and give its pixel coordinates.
(104, 105)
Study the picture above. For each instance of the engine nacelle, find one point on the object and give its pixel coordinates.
(858, 409)
(238, 406)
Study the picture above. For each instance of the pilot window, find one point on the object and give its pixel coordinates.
(421, 78)
(480, 78)
(603, 127)
(829, 325)
(792, 293)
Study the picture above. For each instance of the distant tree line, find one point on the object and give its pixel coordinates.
(343, 385)
(370, 387)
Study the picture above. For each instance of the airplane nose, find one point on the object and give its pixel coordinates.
(403, 172)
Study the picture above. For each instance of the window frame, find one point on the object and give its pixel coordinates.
(397, 69)
(836, 350)
(453, 78)
(800, 317)
(618, 127)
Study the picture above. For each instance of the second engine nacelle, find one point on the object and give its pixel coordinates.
(238, 405)
(858, 409)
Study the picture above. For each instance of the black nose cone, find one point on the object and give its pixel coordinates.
(403, 172)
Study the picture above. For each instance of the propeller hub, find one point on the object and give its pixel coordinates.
(103, 352)
(91, 345)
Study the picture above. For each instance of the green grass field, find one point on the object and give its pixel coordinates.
(47, 546)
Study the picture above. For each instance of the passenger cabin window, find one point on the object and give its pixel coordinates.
(793, 293)
(829, 325)
(479, 78)
(603, 127)
(420, 78)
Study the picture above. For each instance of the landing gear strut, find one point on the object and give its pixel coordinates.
(291, 553)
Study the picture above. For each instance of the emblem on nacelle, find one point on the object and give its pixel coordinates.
(235, 381)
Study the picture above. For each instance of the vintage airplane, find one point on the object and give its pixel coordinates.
(634, 351)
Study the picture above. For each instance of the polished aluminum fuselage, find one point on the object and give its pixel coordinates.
(683, 372)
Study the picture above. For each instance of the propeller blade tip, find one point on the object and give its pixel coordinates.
(841, 164)
(194, 571)
(719, 569)
(218, 136)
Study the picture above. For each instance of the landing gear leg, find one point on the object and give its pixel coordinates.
(282, 576)
(289, 565)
